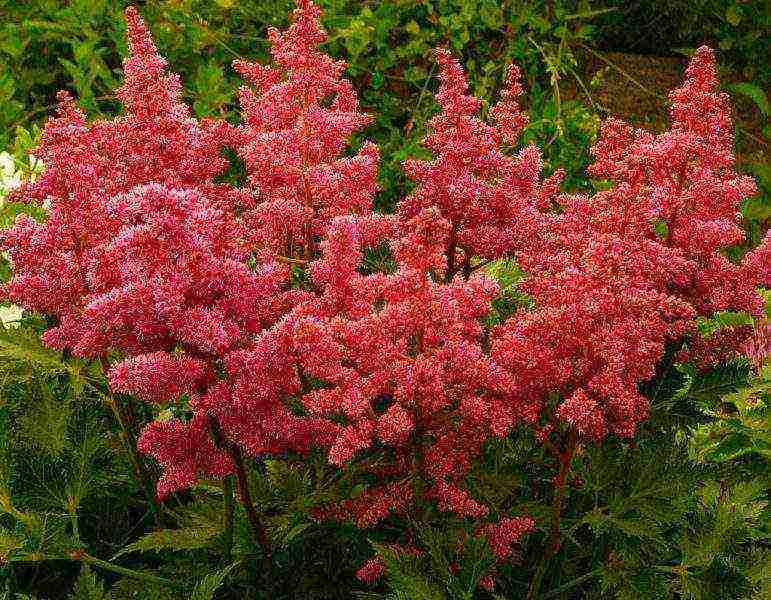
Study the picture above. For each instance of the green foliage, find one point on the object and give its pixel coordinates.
(189, 538)
(508, 274)
(407, 573)
(22, 348)
(703, 555)
(742, 423)
(210, 583)
(88, 587)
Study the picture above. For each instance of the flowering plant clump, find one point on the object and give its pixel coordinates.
(144, 254)
(253, 312)
(619, 275)
(298, 118)
(400, 356)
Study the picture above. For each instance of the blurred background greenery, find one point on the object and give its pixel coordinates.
(582, 60)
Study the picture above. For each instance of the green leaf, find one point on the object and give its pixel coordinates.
(734, 14)
(407, 576)
(9, 544)
(24, 346)
(44, 425)
(211, 582)
(754, 93)
(87, 587)
(190, 538)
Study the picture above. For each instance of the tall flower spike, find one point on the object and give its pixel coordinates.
(488, 198)
(298, 121)
(611, 290)
(143, 255)
(507, 114)
(88, 164)
(399, 363)
(147, 89)
(684, 178)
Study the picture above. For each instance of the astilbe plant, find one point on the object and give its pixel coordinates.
(298, 118)
(618, 275)
(92, 188)
(143, 254)
(400, 358)
(247, 308)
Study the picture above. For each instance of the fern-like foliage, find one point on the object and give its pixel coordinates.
(742, 423)
(88, 586)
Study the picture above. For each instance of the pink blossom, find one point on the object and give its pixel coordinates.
(157, 377)
(299, 116)
(506, 532)
(457, 500)
(186, 452)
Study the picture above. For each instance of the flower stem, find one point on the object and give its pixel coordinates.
(256, 527)
(227, 489)
(555, 536)
(138, 575)
(242, 484)
(126, 418)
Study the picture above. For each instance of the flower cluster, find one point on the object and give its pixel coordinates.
(393, 374)
(298, 118)
(144, 254)
(400, 364)
(502, 535)
(489, 199)
(618, 275)
(399, 358)
(87, 164)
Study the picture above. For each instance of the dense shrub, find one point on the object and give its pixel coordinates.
(484, 384)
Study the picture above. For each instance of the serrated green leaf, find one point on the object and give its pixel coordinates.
(10, 543)
(24, 346)
(191, 538)
(210, 583)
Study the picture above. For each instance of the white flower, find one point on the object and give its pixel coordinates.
(7, 166)
(10, 178)
(10, 315)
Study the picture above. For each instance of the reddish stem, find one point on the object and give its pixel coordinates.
(566, 460)
(242, 485)
(555, 534)
(126, 418)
